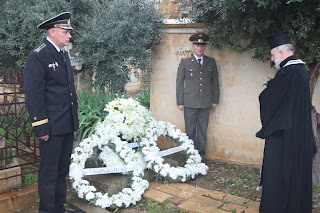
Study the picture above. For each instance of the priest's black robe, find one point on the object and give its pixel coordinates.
(285, 112)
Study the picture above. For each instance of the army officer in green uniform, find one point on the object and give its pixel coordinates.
(197, 91)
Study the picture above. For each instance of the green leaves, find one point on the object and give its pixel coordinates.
(244, 25)
(19, 33)
(143, 97)
(292, 1)
(113, 37)
(125, 35)
(91, 110)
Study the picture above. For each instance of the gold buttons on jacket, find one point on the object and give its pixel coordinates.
(70, 93)
(200, 79)
(71, 103)
(200, 72)
(201, 90)
(201, 85)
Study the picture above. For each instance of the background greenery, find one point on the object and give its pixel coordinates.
(119, 37)
(90, 111)
(245, 25)
(113, 36)
(19, 33)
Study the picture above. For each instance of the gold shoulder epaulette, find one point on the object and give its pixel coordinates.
(38, 49)
(187, 57)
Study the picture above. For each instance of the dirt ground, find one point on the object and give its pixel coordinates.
(235, 179)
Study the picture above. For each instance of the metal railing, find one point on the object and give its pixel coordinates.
(17, 140)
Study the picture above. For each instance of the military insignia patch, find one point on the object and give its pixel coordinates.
(54, 65)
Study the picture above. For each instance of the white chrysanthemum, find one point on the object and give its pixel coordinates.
(90, 196)
(149, 149)
(128, 121)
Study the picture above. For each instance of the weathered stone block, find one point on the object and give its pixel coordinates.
(7, 184)
(216, 195)
(235, 199)
(185, 195)
(109, 183)
(156, 195)
(3, 152)
(169, 189)
(236, 207)
(190, 206)
(176, 200)
(253, 205)
(18, 201)
(205, 201)
(155, 184)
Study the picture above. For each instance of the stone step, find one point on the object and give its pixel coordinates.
(109, 183)
(78, 204)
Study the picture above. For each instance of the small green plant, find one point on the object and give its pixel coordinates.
(9, 159)
(140, 205)
(91, 109)
(233, 210)
(316, 187)
(29, 179)
(223, 201)
(143, 97)
(155, 207)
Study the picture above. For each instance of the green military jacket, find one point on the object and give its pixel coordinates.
(197, 86)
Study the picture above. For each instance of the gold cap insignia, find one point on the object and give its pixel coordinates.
(200, 40)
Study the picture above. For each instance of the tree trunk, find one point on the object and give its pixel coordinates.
(313, 76)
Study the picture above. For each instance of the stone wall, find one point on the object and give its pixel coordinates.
(233, 124)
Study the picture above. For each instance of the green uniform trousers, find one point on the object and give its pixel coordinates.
(196, 124)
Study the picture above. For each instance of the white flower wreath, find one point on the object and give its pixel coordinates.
(126, 119)
(149, 148)
(85, 191)
(129, 121)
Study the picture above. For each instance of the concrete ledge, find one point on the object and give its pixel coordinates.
(14, 201)
(10, 183)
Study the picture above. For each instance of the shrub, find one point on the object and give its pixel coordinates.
(143, 97)
(117, 37)
(90, 109)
